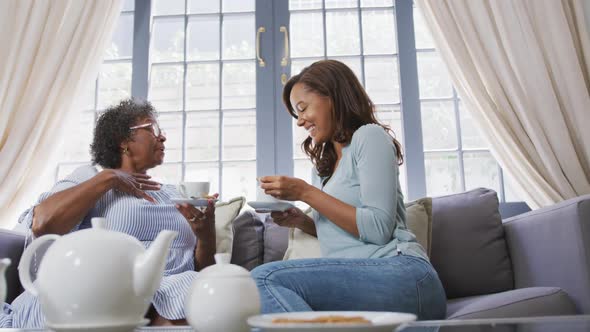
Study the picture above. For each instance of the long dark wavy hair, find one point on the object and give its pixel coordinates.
(351, 109)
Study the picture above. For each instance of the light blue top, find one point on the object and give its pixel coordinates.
(136, 217)
(367, 177)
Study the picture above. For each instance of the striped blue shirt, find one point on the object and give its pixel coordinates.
(136, 217)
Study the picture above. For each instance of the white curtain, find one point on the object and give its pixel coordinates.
(522, 69)
(49, 50)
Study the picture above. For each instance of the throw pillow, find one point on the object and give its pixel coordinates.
(225, 213)
(248, 242)
(418, 220)
(469, 249)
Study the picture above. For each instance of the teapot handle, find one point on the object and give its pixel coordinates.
(24, 267)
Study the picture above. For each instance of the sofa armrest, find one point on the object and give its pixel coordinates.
(11, 246)
(551, 247)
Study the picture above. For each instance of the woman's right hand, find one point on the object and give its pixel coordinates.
(293, 218)
(133, 183)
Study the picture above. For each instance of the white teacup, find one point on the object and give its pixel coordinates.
(189, 189)
(261, 196)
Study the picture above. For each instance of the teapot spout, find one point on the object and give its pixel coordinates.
(149, 266)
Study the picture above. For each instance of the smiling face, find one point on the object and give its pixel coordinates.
(145, 149)
(314, 113)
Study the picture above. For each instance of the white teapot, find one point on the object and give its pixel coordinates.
(95, 277)
(222, 298)
(4, 263)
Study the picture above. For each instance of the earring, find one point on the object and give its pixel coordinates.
(125, 150)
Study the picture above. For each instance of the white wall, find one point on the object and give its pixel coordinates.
(586, 4)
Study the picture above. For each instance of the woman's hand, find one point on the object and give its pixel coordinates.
(294, 218)
(284, 187)
(133, 183)
(201, 222)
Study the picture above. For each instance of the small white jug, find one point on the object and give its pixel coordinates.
(4, 263)
(222, 298)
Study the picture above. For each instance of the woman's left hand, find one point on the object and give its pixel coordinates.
(284, 187)
(201, 222)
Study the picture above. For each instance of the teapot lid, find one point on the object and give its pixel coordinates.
(223, 269)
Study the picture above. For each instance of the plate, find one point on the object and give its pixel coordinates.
(97, 328)
(193, 201)
(380, 321)
(264, 207)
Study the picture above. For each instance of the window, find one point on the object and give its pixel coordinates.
(203, 82)
(199, 63)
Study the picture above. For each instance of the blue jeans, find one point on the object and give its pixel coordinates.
(401, 283)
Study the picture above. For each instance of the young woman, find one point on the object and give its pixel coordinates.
(371, 261)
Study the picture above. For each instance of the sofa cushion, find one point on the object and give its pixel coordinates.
(11, 246)
(248, 243)
(469, 250)
(225, 213)
(275, 240)
(523, 302)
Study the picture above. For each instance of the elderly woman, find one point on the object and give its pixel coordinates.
(127, 142)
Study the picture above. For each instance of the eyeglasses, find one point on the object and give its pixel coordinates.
(155, 129)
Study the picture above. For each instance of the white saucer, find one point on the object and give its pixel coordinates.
(193, 201)
(380, 321)
(264, 207)
(97, 328)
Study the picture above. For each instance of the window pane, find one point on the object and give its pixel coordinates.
(202, 136)
(442, 174)
(298, 65)
(376, 3)
(238, 6)
(128, 5)
(203, 38)
(202, 86)
(381, 80)
(470, 133)
(299, 136)
(165, 90)
(481, 170)
(239, 135)
(379, 36)
(239, 179)
(122, 42)
(303, 169)
(114, 83)
(423, 36)
(167, 39)
(238, 36)
(167, 173)
(204, 172)
(305, 4)
(439, 127)
(171, 124)
(433, 77)
(168, 7)
(353, 63)
(77, 137)
(239, 85)
(307, 34)
(391, 116)
(341, 3)
(200, 6)
(342, 29)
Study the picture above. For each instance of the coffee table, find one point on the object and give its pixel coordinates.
(576, 323)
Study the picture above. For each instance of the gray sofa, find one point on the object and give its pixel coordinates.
(532, 264)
